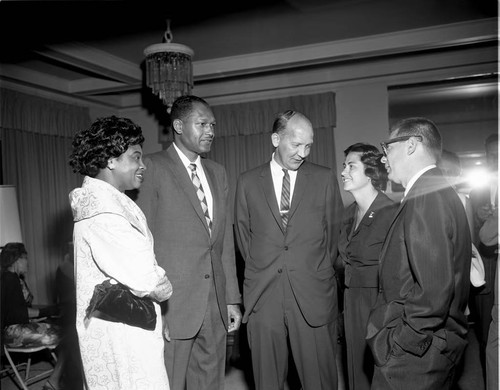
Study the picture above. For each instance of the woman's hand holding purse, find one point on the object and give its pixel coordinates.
(162, 291)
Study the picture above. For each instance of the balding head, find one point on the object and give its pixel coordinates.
(292, 137)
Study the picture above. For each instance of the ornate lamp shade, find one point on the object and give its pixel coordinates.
(169, 71)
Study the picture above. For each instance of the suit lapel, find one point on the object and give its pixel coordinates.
(267, 185)
(182, 177)
(391, 229)
(369, 216)
(216, 198)
(427, 182)
(348, 221)
(301, 183)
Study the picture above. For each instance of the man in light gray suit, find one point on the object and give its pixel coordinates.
(287, 219)
(188, 213)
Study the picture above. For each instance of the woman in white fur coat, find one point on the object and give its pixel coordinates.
(112, 241)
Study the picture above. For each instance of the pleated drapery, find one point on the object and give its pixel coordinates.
(36, 135)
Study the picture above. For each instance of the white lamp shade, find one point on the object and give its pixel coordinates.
(10, 224)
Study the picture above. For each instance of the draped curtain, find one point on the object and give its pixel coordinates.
(36, 136)
(243, 132)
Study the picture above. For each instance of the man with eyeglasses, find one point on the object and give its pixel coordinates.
(417, 330)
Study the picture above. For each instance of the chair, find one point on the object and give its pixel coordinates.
(26, 380)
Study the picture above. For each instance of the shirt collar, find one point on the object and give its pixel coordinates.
(275, 167)
(278, 169)
(416, 176)
(185, 160)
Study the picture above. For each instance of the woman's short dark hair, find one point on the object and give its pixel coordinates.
(371, 159)
(106, 138)
(10, 253)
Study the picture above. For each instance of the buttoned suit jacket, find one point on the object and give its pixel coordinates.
(424, 274)
(305, 251)
(183, 245)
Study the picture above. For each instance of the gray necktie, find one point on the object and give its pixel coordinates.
(201, 194)
(285, 198)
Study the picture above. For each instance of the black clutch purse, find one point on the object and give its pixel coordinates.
(115, 302)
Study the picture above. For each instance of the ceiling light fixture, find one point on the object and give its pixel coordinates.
(169, 71)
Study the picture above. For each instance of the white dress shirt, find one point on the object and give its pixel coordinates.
(415, 178)
(201, 175)
(277, 174)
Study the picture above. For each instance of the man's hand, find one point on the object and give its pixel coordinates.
(166, 332)
(234, 317)
(484, 212)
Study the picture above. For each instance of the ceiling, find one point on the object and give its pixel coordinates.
(93, 50)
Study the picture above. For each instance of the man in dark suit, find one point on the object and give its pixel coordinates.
(484, 202)
(418, 328)
(187, 211)
(287, 229)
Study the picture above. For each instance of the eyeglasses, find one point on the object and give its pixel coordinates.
(398, 139)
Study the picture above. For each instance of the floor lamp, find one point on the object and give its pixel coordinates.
(10, 224)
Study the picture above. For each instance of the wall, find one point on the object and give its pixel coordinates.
(362, 117)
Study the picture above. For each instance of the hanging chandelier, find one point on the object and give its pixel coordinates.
(169, 71)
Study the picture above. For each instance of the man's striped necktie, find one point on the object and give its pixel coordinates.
(285, 198)
(201, 194)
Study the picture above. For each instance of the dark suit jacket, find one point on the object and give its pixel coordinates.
(183, 245)
(424, 273)
(307, 249)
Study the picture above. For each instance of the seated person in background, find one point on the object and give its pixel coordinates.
(17, 329)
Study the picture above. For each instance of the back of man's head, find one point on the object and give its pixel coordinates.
(425, 128)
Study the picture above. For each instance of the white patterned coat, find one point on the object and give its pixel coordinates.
(112, 240)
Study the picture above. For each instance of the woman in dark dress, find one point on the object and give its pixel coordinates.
(365, 224)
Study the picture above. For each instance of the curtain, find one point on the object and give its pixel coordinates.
(36, 136)
(243, 132)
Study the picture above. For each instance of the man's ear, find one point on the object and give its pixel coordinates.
(177, 126)
(412, 145)
(275, 138)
